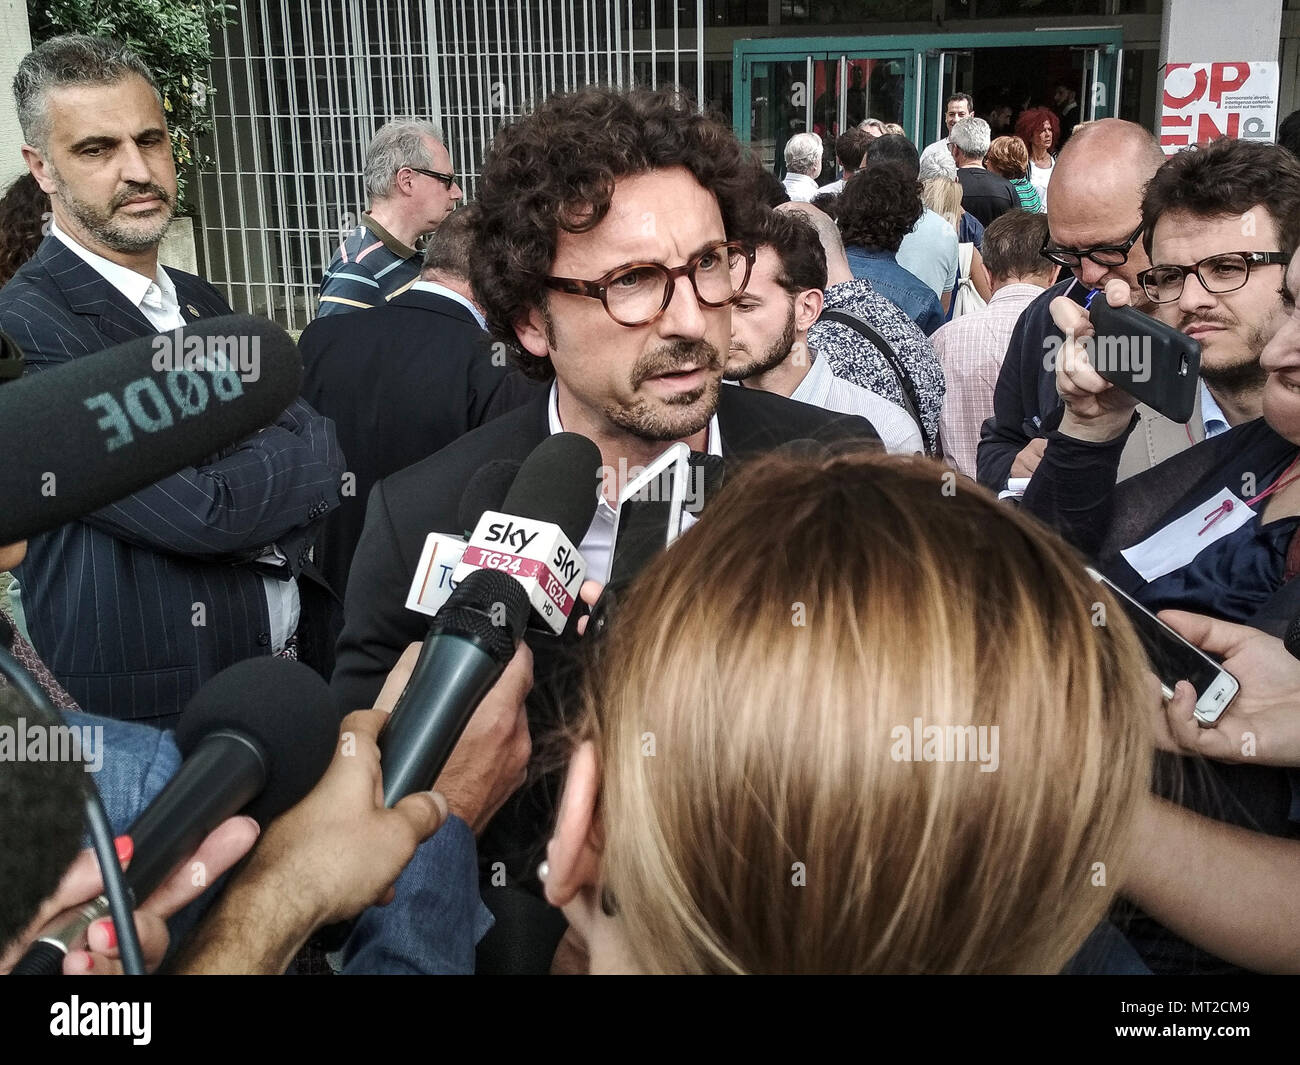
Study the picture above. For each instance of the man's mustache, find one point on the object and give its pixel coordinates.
(137, 191)
(1189, 320)
(675, 357)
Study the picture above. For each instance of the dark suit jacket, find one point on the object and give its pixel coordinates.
(425, 498)
(136, 605)
(1026, 404)
(399, 382)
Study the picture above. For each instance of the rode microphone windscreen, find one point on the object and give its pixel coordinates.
(92, 431)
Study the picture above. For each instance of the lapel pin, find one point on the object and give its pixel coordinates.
(192, 309)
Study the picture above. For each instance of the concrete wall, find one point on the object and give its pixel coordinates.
(15, 42)
(1194, 31)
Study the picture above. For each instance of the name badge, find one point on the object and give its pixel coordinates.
(1177, 544)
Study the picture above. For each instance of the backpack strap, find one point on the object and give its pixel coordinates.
(910, 399)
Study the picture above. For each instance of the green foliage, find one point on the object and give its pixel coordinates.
(173, 39)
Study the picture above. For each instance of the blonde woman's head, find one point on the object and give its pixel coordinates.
(861, 718)
(943, 197)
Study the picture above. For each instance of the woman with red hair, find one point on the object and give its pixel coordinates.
(1040, 129)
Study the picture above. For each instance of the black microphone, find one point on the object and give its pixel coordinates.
(256, 738)
(486, 490)
(90, 432)
(1291, 641)
(474, 635)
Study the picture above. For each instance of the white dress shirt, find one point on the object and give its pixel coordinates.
(800, 187)
(897, 430)
(158, 302)
(597, 547)
(1212, 414)
(155, 299)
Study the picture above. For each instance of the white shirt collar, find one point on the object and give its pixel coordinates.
(713, 446)
(816, 384)
(132, 285)
(1212, 414)
(421, 285)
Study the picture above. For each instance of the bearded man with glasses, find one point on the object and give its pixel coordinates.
(616, 230)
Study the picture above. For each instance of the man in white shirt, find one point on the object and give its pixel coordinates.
(769, 333)
(135, 606)
(803, 162)
(958, 106)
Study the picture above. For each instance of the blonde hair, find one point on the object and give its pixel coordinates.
(755, 813)
(943, 197)
(1008, 157)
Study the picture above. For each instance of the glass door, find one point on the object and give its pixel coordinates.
(776, 105)
(781, 94)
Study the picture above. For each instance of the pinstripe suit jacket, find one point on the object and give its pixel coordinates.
(136, 605)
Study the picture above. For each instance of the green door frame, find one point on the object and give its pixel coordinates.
(922, 54)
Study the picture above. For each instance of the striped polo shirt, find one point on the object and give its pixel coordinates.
(370, 267)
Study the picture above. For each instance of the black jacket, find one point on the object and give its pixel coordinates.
(400, 382)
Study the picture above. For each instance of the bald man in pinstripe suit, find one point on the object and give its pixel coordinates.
(136, 605)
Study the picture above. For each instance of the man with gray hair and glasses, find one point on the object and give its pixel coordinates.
(411, 188)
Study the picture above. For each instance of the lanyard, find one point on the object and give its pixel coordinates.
(1225, 507)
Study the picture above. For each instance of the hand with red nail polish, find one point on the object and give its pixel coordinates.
(223, 847)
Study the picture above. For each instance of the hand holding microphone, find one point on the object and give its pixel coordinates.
(255, 739)
(490, 760)
(82, 884)
(520, 563)
(330, 857)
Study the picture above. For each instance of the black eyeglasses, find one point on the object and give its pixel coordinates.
(1101, 254)
(638, 293)
(448, 180)
(1225, 272)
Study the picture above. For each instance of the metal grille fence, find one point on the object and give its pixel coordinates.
(300, 89)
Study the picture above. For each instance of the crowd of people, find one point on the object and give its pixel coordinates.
(862, 716)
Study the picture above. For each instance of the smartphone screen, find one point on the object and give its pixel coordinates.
(649, 515)
(643, 527)
(1173, 659)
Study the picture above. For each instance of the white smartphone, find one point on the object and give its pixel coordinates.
(1174, 659)
(649, 514)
